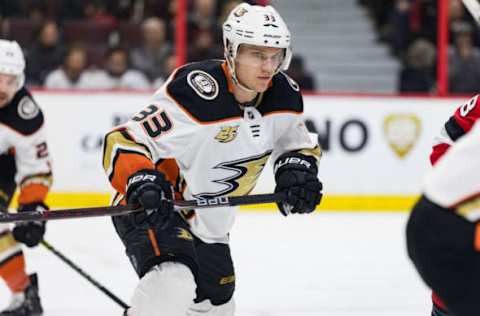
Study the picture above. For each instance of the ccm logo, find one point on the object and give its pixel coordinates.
(213, 201)
(142, 177)
(293, 160)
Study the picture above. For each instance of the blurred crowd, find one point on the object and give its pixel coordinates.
(114, 44)
(409, 27)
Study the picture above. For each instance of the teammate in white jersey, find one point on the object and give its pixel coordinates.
(24, 163)
(209, 132)
(443, 232)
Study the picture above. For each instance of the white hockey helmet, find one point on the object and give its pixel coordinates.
(255, 25)
(12, 61)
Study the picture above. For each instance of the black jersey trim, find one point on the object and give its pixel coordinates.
(454, 130)
(281, 96)
(13, 116)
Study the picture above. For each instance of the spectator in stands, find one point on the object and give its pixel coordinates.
(298, 73)
(202, 19)
(73, 74)
(400, 36)
(418, 74)
(379, 10)
(204, 46)
(46, 54)
(95, 11)
(463, 61)
(457, 13)
(169, 66)
(118, 75)
(150, 57)
(203, 15)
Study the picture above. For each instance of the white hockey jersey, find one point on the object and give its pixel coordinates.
(22, 133)
(195, 131)
(454, 181)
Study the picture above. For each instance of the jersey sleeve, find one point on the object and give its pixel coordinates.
(458, 124)
(34, 174)
(160, 131)
(294, 136)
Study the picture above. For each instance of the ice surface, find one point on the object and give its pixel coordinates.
(332, 264)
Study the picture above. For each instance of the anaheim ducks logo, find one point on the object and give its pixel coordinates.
(402, 132)
(244, 174)
(184, 234)
(227, 134)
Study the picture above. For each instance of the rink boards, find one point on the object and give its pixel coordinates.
(375, 148)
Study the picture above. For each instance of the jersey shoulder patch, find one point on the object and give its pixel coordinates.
(203, 84)
(283, 95)
(22, 114)
(201, 89)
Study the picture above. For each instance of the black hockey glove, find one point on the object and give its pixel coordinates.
(150, 189)
(30, 233)
(296, 177)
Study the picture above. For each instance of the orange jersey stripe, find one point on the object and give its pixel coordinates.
(127, 164)
(33, 192)
(477, 237)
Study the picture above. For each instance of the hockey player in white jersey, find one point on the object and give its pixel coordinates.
(24, 163)
(209, 132)
(443, 232)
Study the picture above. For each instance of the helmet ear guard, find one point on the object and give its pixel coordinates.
(12, 61)
(255, 25)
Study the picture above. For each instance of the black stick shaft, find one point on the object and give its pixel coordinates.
(75, 267)
(127, 209)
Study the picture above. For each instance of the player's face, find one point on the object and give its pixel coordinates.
(256, 65)
(8, 87)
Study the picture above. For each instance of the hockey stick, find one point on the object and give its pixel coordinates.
(128, 209)
(75, 267)
(474, 8)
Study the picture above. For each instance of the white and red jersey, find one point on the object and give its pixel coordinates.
(457, 125)
(195, 131)
(22, 133)
(454, 180)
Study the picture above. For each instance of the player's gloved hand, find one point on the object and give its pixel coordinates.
(150, 189)
(30, 233)
(296, 177)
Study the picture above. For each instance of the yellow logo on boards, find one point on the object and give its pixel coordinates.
(227, 134)
(402, 132)
(184, 234)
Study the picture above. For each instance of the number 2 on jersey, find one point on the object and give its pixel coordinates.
(154, 122)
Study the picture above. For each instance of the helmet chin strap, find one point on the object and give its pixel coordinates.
(237, 82)
(242, 86)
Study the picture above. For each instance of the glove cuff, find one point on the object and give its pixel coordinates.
(145, 179)
(297, 161)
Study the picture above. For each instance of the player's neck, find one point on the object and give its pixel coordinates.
(243, 95)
